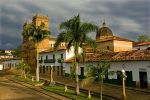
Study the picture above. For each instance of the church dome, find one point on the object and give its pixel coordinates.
(104, 31)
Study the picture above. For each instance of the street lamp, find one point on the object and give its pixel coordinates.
(123, 84)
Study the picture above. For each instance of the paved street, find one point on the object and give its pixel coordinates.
(14, 91)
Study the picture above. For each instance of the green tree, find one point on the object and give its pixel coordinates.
(36, 34)
(74, 34)
(97, 73)
(2, 51)
(17, 52)
(143, 38)
(24, 67)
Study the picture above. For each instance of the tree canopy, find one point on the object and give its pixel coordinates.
(17, 52)
(35, 33)
(144, 38)
(74, 34)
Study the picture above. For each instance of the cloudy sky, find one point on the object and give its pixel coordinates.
(126, 18)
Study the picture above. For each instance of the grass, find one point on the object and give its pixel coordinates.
(59, 89)
(28, 80)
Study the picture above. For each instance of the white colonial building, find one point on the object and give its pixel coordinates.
(11, 63)
(136, 64)
(141, 45)
(56, 59)
(6, 54)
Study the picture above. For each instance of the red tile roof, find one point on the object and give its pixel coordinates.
(113, 56)
(51, 49)
(141, 43)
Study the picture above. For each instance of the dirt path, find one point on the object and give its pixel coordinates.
(13, 91)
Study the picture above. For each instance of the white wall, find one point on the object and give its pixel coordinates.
(133, 66)
(11, 63)
(141, 47)
(66, 55)
(50, 56)
(1, 66)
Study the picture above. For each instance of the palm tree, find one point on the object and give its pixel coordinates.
(36, 34)
(74, 34)
(97, 73)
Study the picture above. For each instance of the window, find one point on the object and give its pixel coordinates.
(138, 48)
(62, 55)
(46, 57)
(41, 57)
(53, 56)
(82, 71)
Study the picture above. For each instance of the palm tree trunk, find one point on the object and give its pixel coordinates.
(37, 67)
(76, 72)
(77, 79)
(101, 94)
(51, 74)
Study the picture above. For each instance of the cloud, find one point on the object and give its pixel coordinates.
(123, 17)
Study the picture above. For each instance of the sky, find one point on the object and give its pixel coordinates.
(126, 18)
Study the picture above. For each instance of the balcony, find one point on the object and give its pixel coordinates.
(60, 60)
(49, 61)
(40, 61)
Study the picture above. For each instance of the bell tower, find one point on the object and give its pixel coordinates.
(38, 19)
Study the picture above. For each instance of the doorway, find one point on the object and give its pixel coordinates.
(57, 70)
(43, 69)
(143, 80)
(61, 70)
(82, 71)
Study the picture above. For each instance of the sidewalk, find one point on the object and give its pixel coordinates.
(108, 89)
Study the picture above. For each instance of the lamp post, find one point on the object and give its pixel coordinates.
(123, 84)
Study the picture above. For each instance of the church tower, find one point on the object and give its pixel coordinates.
(38, 19)
(104, 32)
(107, 41)
(29, 47)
